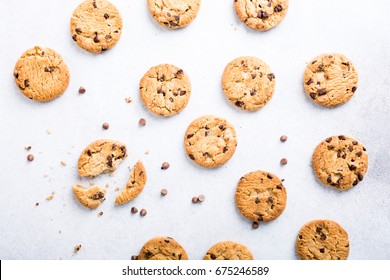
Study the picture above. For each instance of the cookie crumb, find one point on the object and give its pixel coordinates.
(45, 175)
(37, 204)
(63, 162)
(107, 186)
(147, 152)
(164, 192)
(50, 197)
(77, 248)
(165, 166)
(30, 157)
(92, 183)
(283, 138)
(82, 90)
(48, 131)
(283, 161)
(27, 148)
(142, 122)
(117, 189)
(128, 100)
(100, 214)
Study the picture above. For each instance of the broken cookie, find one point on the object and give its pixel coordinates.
(90, 198)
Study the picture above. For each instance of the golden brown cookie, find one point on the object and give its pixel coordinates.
(162, 248)
(41, 74)
(261, 15)
(322, 240)
(174, 14)
(340, 162)
(101, 156)
(210, 141)
(96, 25)
(260, 196)
(165, 90)
(248, 83)
(134, 186)
(330, 79)
(91, 198)
(228, 250)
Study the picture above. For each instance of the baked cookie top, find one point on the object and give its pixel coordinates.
(248, 83)
(330, 79)
(260, 196)
(340, 162)
(162, 248)
(96, 25)
(41, 74)
(210, 141)
(322, 240)
(228, 250)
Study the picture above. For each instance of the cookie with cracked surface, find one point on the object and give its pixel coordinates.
(41, 74)
(330, 79)
(165, 90)
(322, 240)
(134, 186)
(210, 141)
(340, 162)
(228, 250)
(261, 196)
(90, 198)
(261, 15)
(96, 25)
(100, 157)
(174, 14)
(248, 83)
(162, 248)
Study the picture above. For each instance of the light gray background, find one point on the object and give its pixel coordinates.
(354, 28)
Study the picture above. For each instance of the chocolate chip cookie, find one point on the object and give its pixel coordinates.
(228, 250)
(162, 248)
(90, 198)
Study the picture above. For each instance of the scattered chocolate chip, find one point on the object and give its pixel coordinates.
(342, 137)
(322, 250)
(239, 103)
(354, 89)
(201, 198)
(269, 176)
(262, 15)
(164, 192)
(37, 204)
(283, 138)
(82, 90)
(165, 165)
(360, 177)
(28, 148)
(255, 225)
(283, 161)
(106, 126)
(271, 76)
(321, 92)
(195, 199)
(134, 258)
(143, 212)
(142, 122)
(134, 210)
(30, 157)
(100, 213)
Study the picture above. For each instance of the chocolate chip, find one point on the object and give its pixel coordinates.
(142, 122)
(342, 137)
(82, 90)
(300, 236)
(271, 76)
(49, 69)
(177, 17)
(96, 39)
(269, 176)
(206, 133)
(354, 89)
(212, 256)
(320, 67)
(16, 75)
(359, 154)
(201, 198)
(262, 15)
(78, 30)
(191, 156)
(313, 95)
(321, 92)
(260, 219)
(134, 210)
(360, 177)
(350, 148)
(322, 250)
(98, 195)
(183, 92)
(74, 37)
(278, 8)
(253, 76)
(143, 212)
(318, 229)
(106, 16)
(323, 237)
(239, 103)
(190, 135)
(171, 99)
(364, 149)
(270, 199)
(355, 142)
(161, 78)
(134, 258)
(37, 204)
(279, 187)
(283, 161)
(107, 37)
(283, 138)
(179, 72)
(355, 183)
(30, 157)
(94, 4)
(257, 200)
(165, 166)
(329, 139)
(164, 192)
(255, 225)
(225, 149)
(148, 255)
(309, 82)
(105, 126)
(26, 83)
(329, 179)
(89, 153)
(109, 161)
(195, 199)
(221, 127)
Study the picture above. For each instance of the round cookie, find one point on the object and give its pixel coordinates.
(322, 240)
(162, 248)
(210, 141)
(261, 15)
(165, 90)
(96, 25)
(228, 250)
(260, 196)
(41, 74)
(330, 79)
(248, 83)
(174, 14)
(340, 162)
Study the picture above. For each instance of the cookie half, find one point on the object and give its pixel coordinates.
(261, 196)
(228, 250)
(248, 83)
(90, 198)
(261, 15)
(96, 25)
(162, 248)
(322, 240)
(41, 74)
(340, 162)
(210, 141)
(330, 79)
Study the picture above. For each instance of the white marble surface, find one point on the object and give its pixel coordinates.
(358, 30)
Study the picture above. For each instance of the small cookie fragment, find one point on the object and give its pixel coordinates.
(90, 198)
(322, 240)
(228, 250)
(162, 248)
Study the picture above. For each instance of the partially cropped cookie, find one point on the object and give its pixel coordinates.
(96, 25)
(165, 90)
(100, 157)
(322, 240)
(340, 162)
(228, 250)
(261, 196)
(210, 141)
(174, 14)
(90, 198)
(261, 15)
(134, 186)
(41, 74)
(162, 248)
(248, 83)
(330, 79)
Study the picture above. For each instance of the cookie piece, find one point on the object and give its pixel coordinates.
(330, 79)
(260, 196)
(90, 198)
(340, 162)
(261, 15)
(228, 250)
(210, 141)
(100, 157)
(134, 186)
(174, 14)
(248, 83)
(96, 25)
(41, 74)
(322, 240)
(162, 248)
(165, 90)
